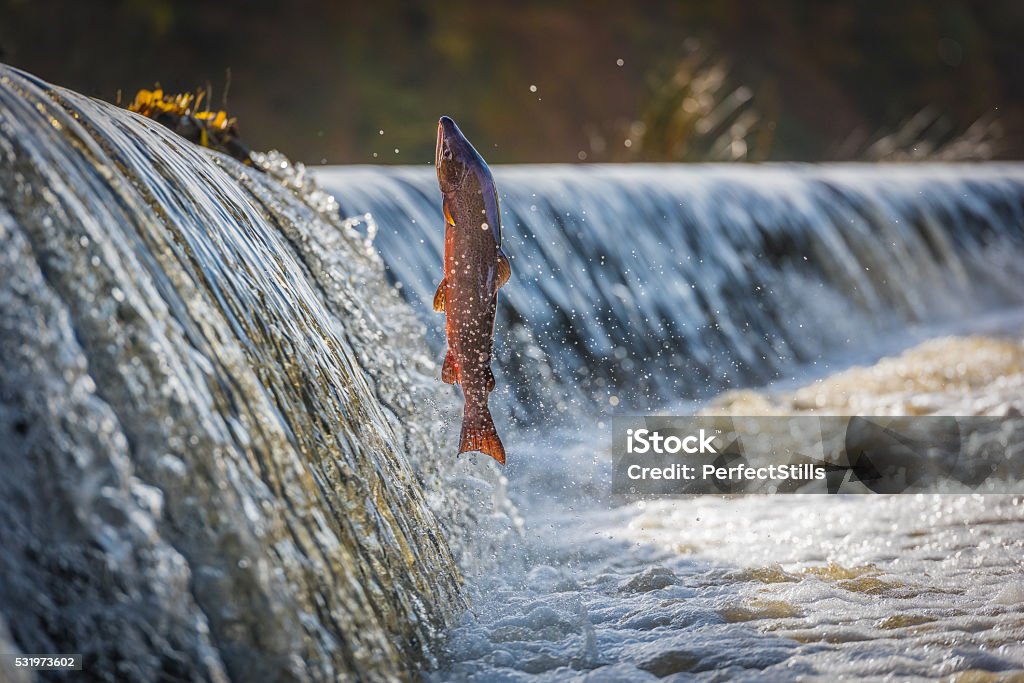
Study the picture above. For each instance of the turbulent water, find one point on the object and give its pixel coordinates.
(227, 454)
(638, 288)
(778, 588)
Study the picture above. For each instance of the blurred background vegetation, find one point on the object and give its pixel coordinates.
(560, 81)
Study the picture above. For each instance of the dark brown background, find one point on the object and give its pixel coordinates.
(319, 79)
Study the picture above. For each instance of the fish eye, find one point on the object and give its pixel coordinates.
(447, 153)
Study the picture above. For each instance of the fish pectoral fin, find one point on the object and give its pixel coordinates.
(504, 269)
(440, 298)
(450, 369)
(447, 212)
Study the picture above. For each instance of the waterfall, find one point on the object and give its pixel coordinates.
(643, 285)
(227, 453)
(219, 453)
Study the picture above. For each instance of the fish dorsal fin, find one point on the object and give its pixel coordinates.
(504, 269)
(447, 213)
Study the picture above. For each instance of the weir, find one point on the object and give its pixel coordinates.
(640, 286)
(212, 422)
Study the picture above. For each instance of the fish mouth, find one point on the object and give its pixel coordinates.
(448, 134)
(440, 143)
(446, 124)
(443, 125)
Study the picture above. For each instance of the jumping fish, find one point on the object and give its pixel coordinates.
(474, 269)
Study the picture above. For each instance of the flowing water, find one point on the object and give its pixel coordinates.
(212, 414)
(639, 288)
(227, 453)
(654, 283)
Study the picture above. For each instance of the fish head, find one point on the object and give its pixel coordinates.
(462, 172)
(460, 167)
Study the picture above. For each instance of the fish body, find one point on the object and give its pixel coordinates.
(474, 269)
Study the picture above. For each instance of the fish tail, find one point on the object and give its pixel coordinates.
(479, 434)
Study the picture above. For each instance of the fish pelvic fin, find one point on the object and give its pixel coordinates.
(440, 296)
(479, 434)
(504, 269)
(448, 220)
(450, 369)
